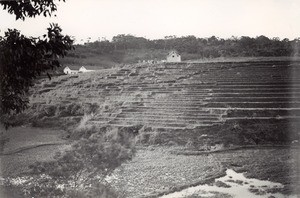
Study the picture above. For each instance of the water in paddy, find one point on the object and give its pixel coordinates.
(233, 185)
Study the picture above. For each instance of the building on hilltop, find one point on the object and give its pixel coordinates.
(173, 56)
(75, 70)
(70, 70)
(84, 69)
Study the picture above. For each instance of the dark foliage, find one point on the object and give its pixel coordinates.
(29, 8)
(23, 59)
(211, 47)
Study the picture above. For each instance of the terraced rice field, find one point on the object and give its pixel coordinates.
(180, 96)
(200, 106)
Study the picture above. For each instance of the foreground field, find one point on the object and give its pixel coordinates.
(191, 122)
(157, 170)
(27, 145)
(154, 171)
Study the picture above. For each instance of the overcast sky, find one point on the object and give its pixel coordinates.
(158, 18)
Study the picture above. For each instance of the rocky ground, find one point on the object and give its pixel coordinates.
(155, 171)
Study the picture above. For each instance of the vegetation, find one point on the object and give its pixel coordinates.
(96, 151)
(22, 9)
(129, 49)
(23, 58)
(81, 171)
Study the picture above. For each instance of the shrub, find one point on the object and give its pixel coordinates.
(50, 110)
(91, 108)
(85, 165)
(75, 109)
(83, 123)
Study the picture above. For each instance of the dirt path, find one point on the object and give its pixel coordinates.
(25, 148)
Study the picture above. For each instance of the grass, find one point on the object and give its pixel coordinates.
(243, 59)
(129, 56)
(109, 60)
(226, 135)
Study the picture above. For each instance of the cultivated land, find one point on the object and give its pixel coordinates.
(192, 121)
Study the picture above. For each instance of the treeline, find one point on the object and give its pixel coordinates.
(202, 47)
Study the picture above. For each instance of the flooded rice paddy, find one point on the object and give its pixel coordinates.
(233, 184)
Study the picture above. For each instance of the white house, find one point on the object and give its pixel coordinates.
(84, 69)
(75, 70)
(67, 70)
(173, 56)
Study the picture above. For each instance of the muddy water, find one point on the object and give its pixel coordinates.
(234, 185)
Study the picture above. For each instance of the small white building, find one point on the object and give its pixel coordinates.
(75, 70)
(84, 70)
(67, 70)
(173, 56)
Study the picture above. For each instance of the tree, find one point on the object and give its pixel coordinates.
(23, 58)
(247, 45)
(29, 8)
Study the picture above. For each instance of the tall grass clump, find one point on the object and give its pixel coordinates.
(83, 123)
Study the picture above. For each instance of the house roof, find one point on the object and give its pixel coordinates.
(90, 67)
(73, 67)
(76, 67)
(173, 52)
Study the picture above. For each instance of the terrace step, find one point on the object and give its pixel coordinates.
(164, 120)
(262, 113)
(156, 125)
(219, 104)
(170, 119)
(164, 111)
(290, 118)
(167, 120)
(169, 115)
(159, 125)
(290, 90)
(220, 99)
(255, 105)
(204, 100)
(249, 99)
(273, 94)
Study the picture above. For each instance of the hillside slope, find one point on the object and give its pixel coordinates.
(239, 103)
